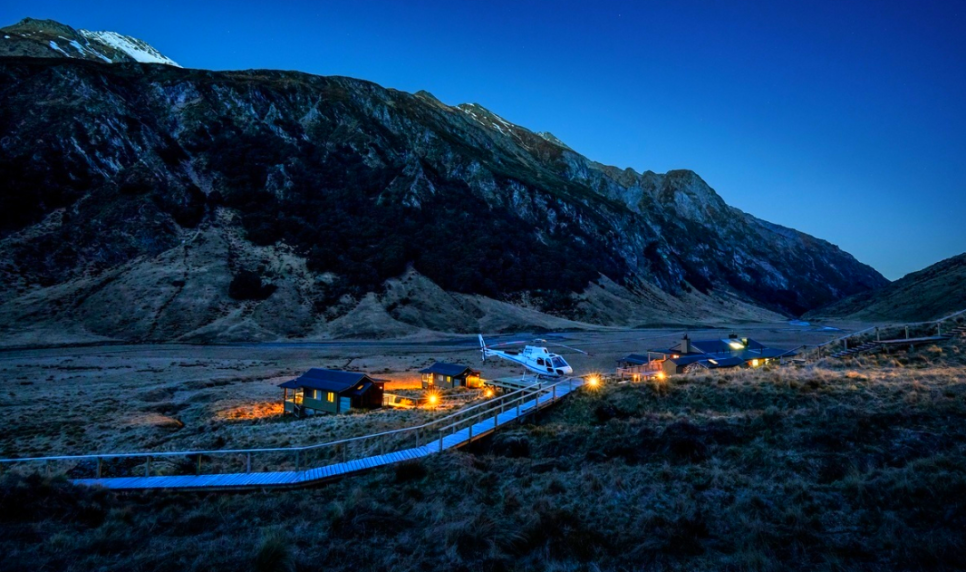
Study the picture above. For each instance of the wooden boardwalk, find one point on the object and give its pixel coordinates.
(310, 476)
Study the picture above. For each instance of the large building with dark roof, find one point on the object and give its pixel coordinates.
(331, 391)
(693, 355)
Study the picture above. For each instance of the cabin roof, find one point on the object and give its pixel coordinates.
(330, 380)
(717, 346)
(450, 369)
(636, 359)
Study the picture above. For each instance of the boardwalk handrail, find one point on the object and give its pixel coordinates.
(880, 327)
(446, 422)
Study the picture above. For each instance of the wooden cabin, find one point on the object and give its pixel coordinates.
(329, 391)
(449, 375)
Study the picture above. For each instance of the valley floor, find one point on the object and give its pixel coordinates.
(116, 398)
(857, 465)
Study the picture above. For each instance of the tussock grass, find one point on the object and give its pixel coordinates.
(849, 465)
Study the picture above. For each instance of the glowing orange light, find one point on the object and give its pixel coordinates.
(593, 381)
(675, 356)
(488, 393)
(661, 375)
(754, 363)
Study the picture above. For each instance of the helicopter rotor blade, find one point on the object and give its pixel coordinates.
(568, 347)
(515, 343)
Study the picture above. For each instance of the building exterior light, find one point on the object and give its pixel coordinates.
(593, 381)
(754, 363)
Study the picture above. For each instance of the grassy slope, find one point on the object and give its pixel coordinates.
(933, 292)
(855, 466)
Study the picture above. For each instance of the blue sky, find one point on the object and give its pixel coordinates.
(846, 120)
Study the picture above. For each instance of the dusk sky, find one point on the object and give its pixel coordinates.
(846, 120)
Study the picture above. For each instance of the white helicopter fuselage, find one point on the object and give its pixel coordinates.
(537, 359)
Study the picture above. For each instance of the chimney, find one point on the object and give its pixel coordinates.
(684, 346)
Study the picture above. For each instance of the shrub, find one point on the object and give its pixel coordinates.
(247, 285)
(274, 554)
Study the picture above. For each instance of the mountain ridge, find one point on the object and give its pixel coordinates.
(49, 38)
(356, 187)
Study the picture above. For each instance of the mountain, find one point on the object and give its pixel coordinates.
(50, 39)
(932, 293)
(147, 202)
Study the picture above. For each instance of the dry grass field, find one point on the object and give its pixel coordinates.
(839, 465)
(101, 399)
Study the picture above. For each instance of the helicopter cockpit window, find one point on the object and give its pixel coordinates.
(559, 362)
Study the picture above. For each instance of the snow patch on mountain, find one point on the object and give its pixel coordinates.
(54, 46)
(138, 50)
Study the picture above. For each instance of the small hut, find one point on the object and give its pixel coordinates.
(330, 391)
(449, 375)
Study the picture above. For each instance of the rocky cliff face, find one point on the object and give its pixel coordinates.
(150, 202)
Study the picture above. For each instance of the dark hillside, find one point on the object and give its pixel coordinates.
(931, 293)
(120, 167)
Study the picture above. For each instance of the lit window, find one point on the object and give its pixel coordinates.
(331, 397)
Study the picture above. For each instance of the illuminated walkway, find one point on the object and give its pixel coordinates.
(535, 400)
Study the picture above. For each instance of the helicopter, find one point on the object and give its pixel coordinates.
(535, 358)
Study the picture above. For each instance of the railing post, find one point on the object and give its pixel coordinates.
(248, 463)
(99, 460)
(147, 467)
(907, 332)
(554, 398)
(878, 335)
